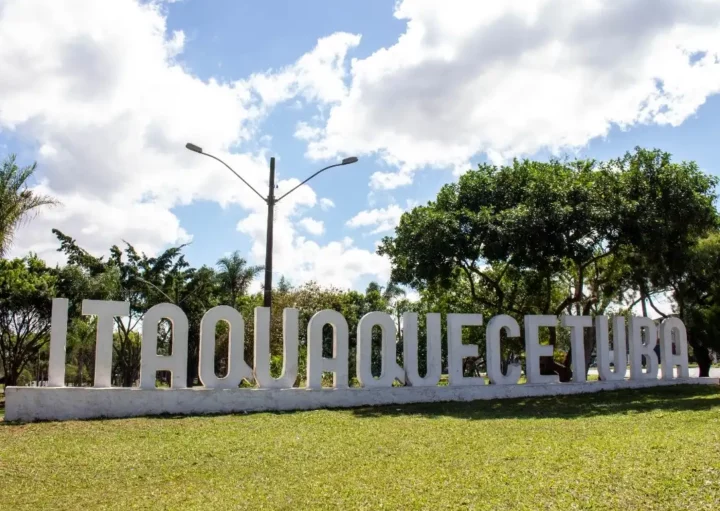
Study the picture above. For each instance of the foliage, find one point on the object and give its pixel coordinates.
(235, 276)
(696, 292)
(555, 237)
(575, 237)
(143, 282)
(17, 202)
(309, 299)
(81, 336)
(26, 290)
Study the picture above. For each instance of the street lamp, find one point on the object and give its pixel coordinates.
(270, 200)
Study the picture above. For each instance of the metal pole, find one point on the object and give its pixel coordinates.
(269, 241)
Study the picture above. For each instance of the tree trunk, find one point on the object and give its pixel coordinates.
(564, 372)
(11, 378)
(644, 305)
(192, 367)
(79, 370)
(702, 355)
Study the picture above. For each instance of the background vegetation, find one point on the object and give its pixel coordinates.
(556, 237)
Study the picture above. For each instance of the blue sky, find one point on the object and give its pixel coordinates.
(229, 40)
(107, 97)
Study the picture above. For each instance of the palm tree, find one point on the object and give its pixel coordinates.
(17, 202)
(393, 292)
(235, 275)
(394, 296)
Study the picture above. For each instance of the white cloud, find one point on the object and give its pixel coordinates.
(339, 263)
(326, 204)
(304, 131)
(100, 91)
(318, 75)
(312, 226)
(383, 219)
(514, 77)
(412, 295)
(390, 180)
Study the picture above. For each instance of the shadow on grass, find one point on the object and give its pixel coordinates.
(681, 398)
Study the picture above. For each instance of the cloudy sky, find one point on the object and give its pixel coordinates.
(105, 94)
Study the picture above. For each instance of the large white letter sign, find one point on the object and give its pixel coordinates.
(638, 348)
(237, 367)
(58, 338)
(410, 350)
(106, 311)
(150, 361)
(534, 350)
(316, 363)
(389, 370)
(262, 349)
(667, 357)
(224, 396)
(577, 344)
(492, 348)
(457, 351)
(603, 348)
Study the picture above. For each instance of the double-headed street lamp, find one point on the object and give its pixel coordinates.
(270, 200)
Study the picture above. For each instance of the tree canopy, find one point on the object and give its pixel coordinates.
(559, 236)
(578, 237)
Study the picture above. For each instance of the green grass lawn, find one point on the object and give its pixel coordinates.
(649, 449)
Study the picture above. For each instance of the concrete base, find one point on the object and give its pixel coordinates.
(38, 403)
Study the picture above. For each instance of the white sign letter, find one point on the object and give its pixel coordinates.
(457, 351)
(389, 369)
(577, 344)
(106, 311)
(262, 349)
(680, 357)
(534, 350)
(410, 350)
(638, 349)
(316, 363)
(58, 338)
(150, 361)
(492, 346)
(237, 367)
(603, 348)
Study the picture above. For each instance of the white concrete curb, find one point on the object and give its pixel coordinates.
(66, 403)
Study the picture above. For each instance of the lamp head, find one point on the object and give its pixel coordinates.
(349, 160)
(193, 147)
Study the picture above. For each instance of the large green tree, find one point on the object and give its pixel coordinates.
(130, 276)
(696, 293)
(555, 237)
(27, 287)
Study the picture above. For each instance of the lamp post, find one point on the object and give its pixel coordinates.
(270, 200)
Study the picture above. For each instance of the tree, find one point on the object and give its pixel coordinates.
(81, 336)
(236, 276)
(667, 208)
(570, 232)
(27, 287)
(544, 217)
(394, 297)
(136, 278)
(696, 293)
(17, 202)
(195, 291)
(284, 285)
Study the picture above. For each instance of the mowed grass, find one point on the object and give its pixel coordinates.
(649, 449)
